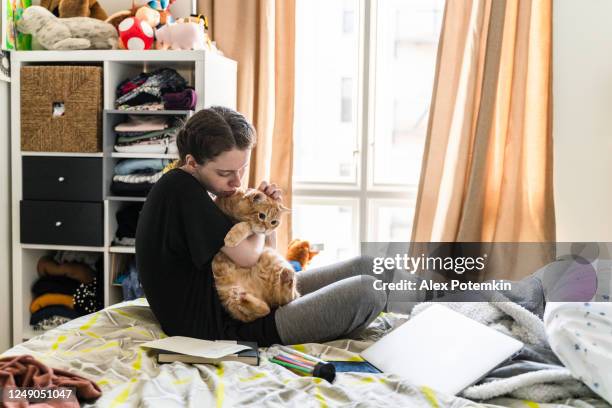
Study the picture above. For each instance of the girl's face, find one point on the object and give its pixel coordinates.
(223, 175)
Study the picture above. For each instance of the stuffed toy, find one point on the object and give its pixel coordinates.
(75, 8)
(299, 254)
(144, 13)
(140, 33)
(75, 33)
(162, 7)
(136, 34)
(143, 10)
(149, 16)
(199, 18)
(181, 36)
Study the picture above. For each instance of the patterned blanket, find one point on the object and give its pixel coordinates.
(104, 347)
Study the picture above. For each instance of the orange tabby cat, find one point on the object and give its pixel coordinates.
(249, 293)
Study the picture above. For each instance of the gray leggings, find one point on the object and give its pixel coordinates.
(337, 301)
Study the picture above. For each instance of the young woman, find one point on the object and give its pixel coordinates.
(180, 230)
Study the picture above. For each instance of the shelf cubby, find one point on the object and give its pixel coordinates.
(30, 255)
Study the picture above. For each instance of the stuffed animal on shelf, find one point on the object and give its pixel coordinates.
(148, 15)
(136, 34)
(181, 36)
(162, 7)
(300, 253)
(137, 25)
(200, 18)
(75, 33)
(75, 8)
(143, 10)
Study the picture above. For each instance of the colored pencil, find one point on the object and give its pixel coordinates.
(292, 361)
(299, 353)
(289, 365)
(297, 358)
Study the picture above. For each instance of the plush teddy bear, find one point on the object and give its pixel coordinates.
(299, 254)
(75, 33)
(75, 8)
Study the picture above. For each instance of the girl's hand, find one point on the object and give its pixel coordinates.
(271, 190)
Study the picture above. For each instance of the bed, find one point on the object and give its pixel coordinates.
(104, 347)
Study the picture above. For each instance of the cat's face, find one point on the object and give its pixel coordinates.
(265, 213)
(253, 206)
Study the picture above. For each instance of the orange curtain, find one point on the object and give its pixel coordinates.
(260, 36)
(487, 167)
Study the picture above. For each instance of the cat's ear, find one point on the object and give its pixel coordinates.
(256, 196)
(283, 208)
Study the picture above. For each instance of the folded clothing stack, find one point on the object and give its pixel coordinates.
(67, 288)
(135, 177)
(163, 88)
(127, 220)
(147, 134)
(185, 99)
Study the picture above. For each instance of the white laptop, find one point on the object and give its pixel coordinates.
(441, 349)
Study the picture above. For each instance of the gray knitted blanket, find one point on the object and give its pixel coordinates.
(535, 374)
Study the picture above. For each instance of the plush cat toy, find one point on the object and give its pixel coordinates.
(249, 293)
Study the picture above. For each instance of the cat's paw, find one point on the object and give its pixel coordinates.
(287, 276)
(231, 240)
(237, 295)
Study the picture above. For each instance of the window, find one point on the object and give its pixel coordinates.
(330, 221)
(325, 85)
(364, 78)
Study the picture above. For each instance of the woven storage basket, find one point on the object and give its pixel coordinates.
(61, 108)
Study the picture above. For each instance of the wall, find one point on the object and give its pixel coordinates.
(5, 231)
(582, 124)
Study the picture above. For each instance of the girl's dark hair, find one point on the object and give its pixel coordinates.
(213, 131)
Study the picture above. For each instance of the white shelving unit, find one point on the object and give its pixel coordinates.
(61, 154)
(214, 79)
(117, 155)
